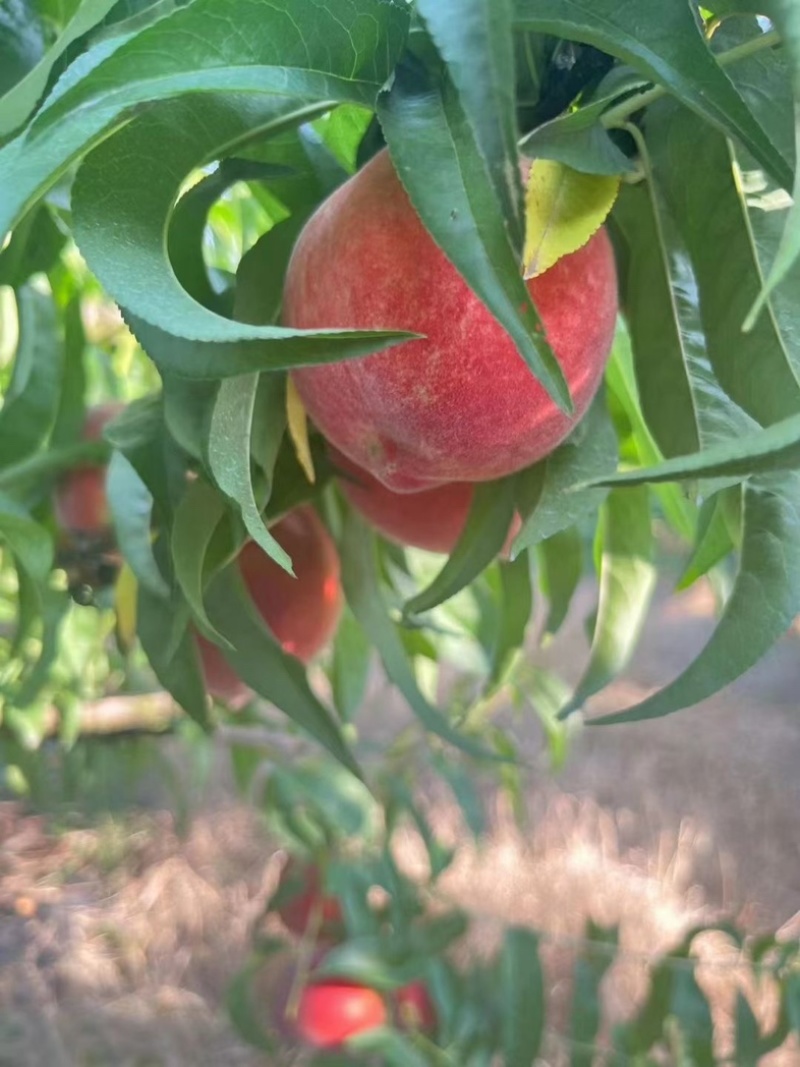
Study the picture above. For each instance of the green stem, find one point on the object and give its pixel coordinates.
(618, 115)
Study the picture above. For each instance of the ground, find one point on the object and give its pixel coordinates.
(116, 943)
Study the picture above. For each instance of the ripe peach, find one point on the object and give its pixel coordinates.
(459, 404)
(302, 612)
(332, 1010)
(432, 519)
(80, 501)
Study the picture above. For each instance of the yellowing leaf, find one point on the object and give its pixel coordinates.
(298, 430)
(125, 592)
(563, 208)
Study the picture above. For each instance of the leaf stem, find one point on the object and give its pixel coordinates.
(616, 116)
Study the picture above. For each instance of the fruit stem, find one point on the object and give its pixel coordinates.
(616, 116)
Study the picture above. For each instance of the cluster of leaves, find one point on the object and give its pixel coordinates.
(398, 931)
(126, 124)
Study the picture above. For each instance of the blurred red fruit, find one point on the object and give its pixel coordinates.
(301, 612)
(300, 888)
(80, 503)
(331, 1011)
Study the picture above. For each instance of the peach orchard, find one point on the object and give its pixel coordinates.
(354, 336)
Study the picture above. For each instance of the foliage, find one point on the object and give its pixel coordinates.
(162, 156)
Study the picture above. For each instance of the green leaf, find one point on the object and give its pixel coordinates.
(197, 519)
(481, 540)
(363, 593)
(761, 607)
(516, 604)
(30, 543)
(560, 570)
(18, 102)
(131, 506)
(434, 150)
(22, 41)
(318, 55)
(776, 448)
(759, 370)
(350, 667)
(590, 450)
(627, 583)
(342, 131)
(245, 1014)
(786, 14)
(523, 998)
(475, 40)
(664, 43)
(31, 401)
(262, 665)
(229, 444)
(714, 540)
(172, 652)
(34, 246)
(180, 335)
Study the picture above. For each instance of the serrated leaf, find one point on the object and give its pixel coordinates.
(436, 155)
(180, 335)
(592, 446)
(297, 422)
(125, 599)
(229, 445)
(474, 38)
(197, 519)
(343, 51)
(758, 371)
(627, 583)
(481, 540)
(172, 652)
(664, 43)
(761, 607)
(131, 506)
(18, 102)
(786, 14)
(714, 540)
(563, 209)
(265, 668)
(560, 569)
(776, 448)
(523, 998)
(363, 593)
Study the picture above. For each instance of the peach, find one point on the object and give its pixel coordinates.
(80, 501)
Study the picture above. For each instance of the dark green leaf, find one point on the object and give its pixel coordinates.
(765, 599)
(360, 581)
(261, 664)
(475, 41)
(131, 505)
(34, 246)
(590, 969)
(662, 42)
(18, 102)
(560, 569)
(481, 540)
(30, 404)
(627, 583)
(245, 1014)
(196, 522)
(434, 150)
(516, 604)
(714, 540)
(30, 543)
(748, 1051)
(22, 41)
(350, 668)
(523, 998)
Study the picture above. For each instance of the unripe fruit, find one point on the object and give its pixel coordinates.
(432, 519)
(459, 404)
(331, 1011)
(414, 1009)
(307, 903)
(80, 504)
(301, 612)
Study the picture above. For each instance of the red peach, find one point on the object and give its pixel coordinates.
(458, 404)
(331, 1011)
(80, 501)
(414, 1008)
(297, 911)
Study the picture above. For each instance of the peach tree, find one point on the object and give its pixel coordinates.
(559, 338)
